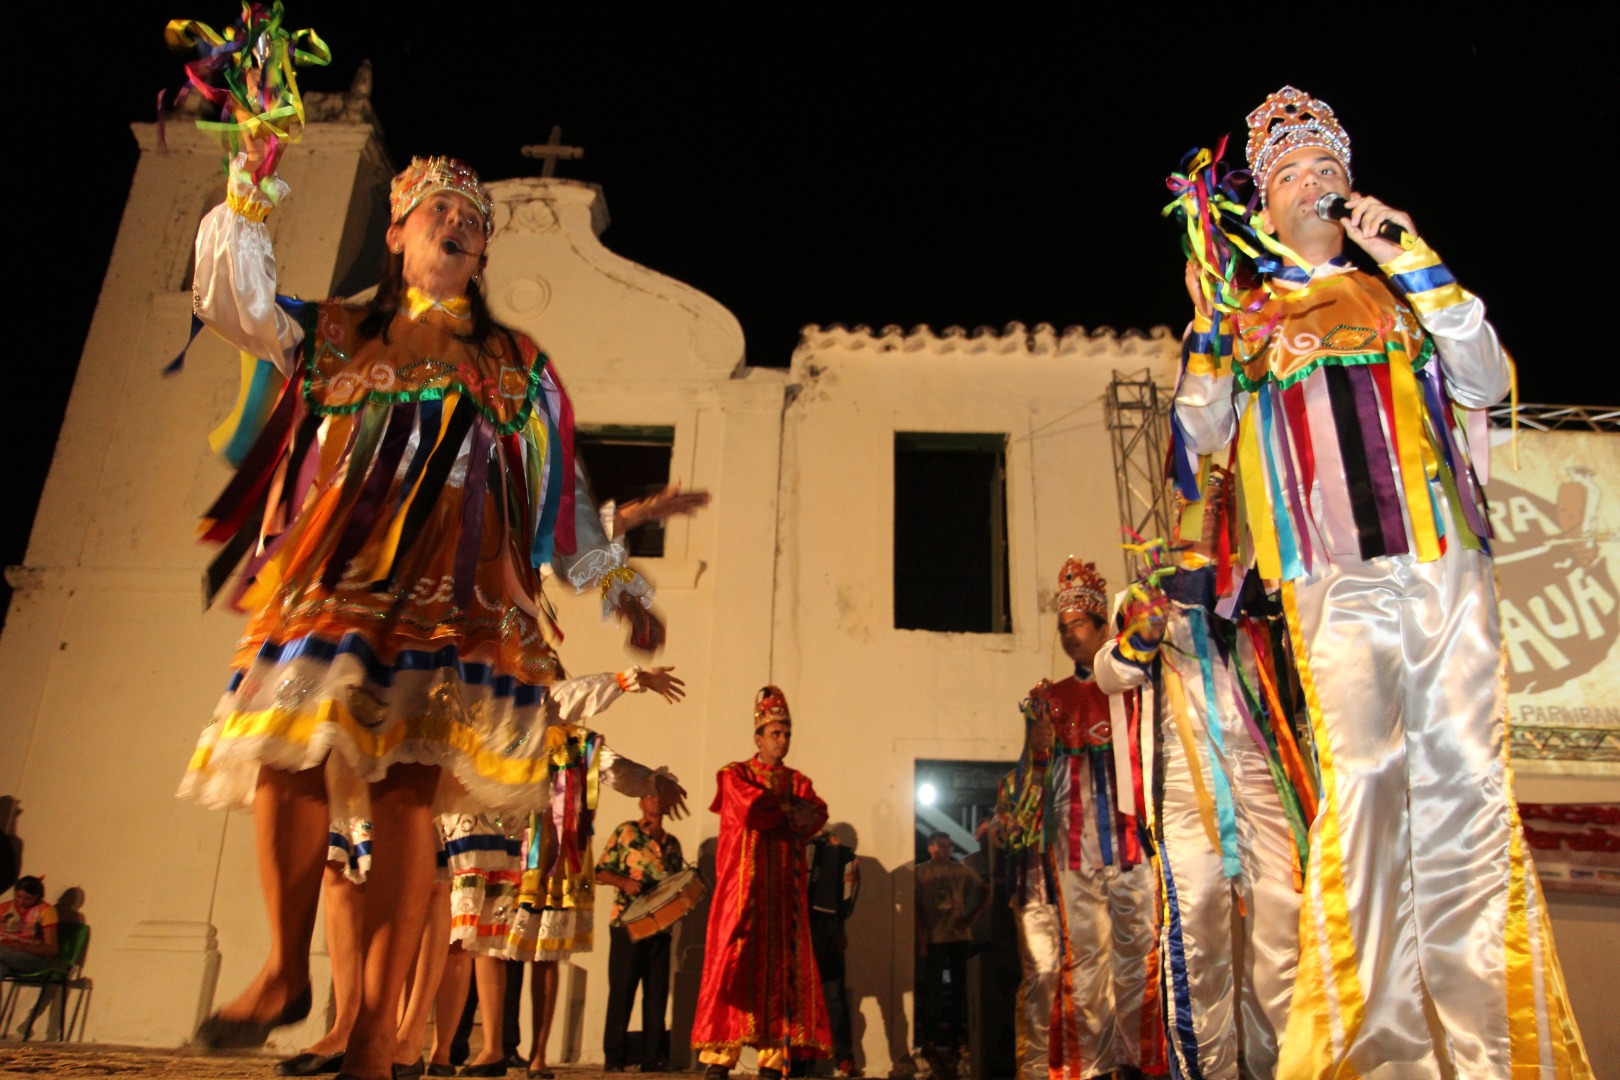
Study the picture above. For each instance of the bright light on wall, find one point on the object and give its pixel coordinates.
(926, 794)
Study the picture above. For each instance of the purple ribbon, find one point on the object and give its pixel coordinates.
(1386, 496)
(472, 515)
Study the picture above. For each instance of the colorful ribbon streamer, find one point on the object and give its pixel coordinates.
(247, 73)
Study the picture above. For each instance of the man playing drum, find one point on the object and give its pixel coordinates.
(640, 855)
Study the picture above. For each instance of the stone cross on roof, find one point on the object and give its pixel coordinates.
(552, 150)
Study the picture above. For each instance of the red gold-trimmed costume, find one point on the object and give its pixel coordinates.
(760, 983)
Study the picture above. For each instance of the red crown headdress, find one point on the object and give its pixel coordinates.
(1286, 121)
(1081, 588)
(770, 706)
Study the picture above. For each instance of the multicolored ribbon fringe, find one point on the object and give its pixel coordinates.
(246, 72)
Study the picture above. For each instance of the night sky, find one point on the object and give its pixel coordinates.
(886, 163)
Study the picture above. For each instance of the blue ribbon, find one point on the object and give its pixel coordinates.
(1224, 811)
(1098, 757)
(1183, 1037)
(540, 552)
(1287, 546)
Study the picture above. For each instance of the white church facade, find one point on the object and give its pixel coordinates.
(110, 667)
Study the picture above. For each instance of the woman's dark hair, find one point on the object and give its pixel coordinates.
(29, 884)
(383, 306)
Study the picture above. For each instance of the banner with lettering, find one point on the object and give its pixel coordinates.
(1576, 845)
(1557, 524)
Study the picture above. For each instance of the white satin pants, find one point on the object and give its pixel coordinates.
(1040, 955)
(1227, 980)
(1102, 1020)
(1419, 893)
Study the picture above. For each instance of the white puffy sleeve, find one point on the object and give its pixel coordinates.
(1205, 409)
(600, 561)
(574, 700)
(234, 290)
(1478, 370)
(630, 777)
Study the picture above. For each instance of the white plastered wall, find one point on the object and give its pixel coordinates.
(870, 700)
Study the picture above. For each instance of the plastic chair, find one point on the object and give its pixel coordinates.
(71, 942)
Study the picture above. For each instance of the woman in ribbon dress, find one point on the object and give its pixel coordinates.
(411, 477)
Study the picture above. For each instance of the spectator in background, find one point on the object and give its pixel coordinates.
(944, 944)
(640, 855)
(835, 882)
(27, 930)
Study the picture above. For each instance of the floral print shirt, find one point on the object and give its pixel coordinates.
(635, 854)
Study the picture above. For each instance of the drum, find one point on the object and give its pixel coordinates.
(664, 906)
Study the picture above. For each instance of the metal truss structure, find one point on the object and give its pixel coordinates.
(1533, 742)
(1137, 412)
(1605, 418)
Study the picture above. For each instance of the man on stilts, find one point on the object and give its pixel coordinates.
(1349, 405)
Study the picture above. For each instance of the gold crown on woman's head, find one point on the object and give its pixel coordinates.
(427, 176)
(1286, 121)
(1081, 588)
(770, 706)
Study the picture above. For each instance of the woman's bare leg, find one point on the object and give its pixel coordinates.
(543, 988)
(451, 1001)
(289, 829)
(345, 921)
(426, 974)
(397, 893)
(491, 973)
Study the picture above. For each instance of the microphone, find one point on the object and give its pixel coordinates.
(1330, 207)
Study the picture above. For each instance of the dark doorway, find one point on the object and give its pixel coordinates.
(957, 798)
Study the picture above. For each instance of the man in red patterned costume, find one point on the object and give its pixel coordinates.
(760, 983)
(1106, 1014)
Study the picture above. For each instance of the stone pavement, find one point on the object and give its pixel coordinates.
(40, 1059)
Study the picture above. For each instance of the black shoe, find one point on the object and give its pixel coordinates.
(613, 1066)
(441, 1070)
(490, 1068)
(413, 1071)
(716, 1072)
(217, 1033)
(308, 1064)
(770, 1074)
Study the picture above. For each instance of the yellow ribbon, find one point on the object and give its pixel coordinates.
(1256, 500)
(1306, 1051)
(1177, 694)
(1409, 447)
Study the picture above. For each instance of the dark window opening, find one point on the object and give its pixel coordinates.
(627, 462)
(950, 532)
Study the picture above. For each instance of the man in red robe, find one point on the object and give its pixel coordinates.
(760, 983)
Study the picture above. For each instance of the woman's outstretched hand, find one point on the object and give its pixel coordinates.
(670, 502)
(661, 682)
(671, 796)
